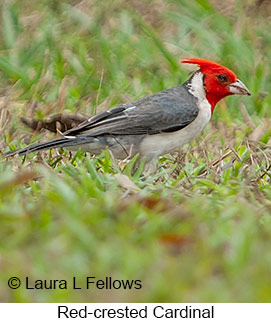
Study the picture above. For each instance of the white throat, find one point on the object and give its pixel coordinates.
(196, 88)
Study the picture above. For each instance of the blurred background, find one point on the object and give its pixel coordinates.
(197, 231)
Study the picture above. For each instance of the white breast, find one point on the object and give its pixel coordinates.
(156, 145)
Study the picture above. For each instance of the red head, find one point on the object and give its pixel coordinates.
(219, 81)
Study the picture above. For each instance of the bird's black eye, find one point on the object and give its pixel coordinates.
(222, 78)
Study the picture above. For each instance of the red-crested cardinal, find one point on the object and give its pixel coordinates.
(156, 124)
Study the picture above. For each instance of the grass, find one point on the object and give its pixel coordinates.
(199, 230)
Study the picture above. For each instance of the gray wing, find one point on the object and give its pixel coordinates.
(165, 111)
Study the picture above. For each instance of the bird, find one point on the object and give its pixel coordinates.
(153, 125)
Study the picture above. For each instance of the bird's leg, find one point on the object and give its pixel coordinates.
(150, 168)
(130, 155)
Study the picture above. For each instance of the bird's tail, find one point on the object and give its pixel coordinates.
(56, 143)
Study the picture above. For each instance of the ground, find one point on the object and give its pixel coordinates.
(199, 229)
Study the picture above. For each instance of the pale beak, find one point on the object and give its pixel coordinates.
(238, 87)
